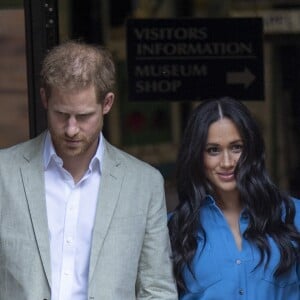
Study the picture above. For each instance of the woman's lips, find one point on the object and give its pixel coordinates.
(226, 176)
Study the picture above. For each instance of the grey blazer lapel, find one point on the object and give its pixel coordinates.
(32, 174)
(111, 181)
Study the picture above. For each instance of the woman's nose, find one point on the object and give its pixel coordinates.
(227, 160)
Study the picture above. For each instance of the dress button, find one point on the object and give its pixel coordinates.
(238, 261)
(241, 292)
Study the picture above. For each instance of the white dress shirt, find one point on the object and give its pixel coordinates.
(71, 212)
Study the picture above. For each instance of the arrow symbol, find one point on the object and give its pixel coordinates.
(244, 77)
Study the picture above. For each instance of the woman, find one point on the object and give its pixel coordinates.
(234, 234)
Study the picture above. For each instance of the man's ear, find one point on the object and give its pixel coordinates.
(44, 98)
(108, 102)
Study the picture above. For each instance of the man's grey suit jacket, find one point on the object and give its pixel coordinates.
(130, 255)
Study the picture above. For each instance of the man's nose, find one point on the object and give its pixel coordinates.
(72, 127)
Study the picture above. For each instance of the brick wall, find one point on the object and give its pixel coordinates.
(14, 125)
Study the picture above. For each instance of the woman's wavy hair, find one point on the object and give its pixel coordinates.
(271, 212)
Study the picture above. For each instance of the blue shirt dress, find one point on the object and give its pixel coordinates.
(223, 272)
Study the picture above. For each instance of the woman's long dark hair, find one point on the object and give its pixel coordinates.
(264, 202)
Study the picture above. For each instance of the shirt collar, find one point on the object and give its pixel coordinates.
(210, 201)
(49, 154)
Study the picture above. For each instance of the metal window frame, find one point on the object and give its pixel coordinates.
(41, 32)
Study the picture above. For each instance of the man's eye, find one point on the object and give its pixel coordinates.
(62, 115)
(82, 117)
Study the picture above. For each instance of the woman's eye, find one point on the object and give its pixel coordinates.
(212, 150)
(238, 148)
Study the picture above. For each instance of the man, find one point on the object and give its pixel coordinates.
(80, 219)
